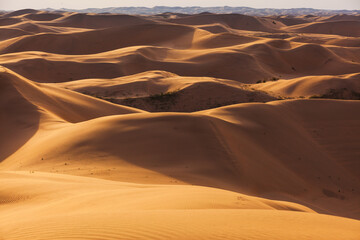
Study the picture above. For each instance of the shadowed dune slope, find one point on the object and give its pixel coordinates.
(19, 119)
(43, 16)
(290, 20)
(11, 33)
(67, 105)
(8, 21)
(20, 12)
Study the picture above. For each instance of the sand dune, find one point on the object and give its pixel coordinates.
(217, 161)
(347, 86)
(106, 39)
(43, 16)
(11, 33)
(159, 91)
(179, 126)
(327, 40)
(60, 101)
(20, 13)
(343, 28)
(29, 28)
(184, 50)
(92, 21)
(138, 212)
(8, 20)
(235, 21)
(248, 63)
(290, 20)
(341, 17)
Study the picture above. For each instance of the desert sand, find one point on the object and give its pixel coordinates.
(208, 126)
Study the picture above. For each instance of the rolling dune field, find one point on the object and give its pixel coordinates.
(175, 126)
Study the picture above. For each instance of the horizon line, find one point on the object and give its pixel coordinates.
(193, 6)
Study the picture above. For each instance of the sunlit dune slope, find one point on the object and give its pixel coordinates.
(92, 208)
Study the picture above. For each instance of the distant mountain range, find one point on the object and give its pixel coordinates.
(225, 9)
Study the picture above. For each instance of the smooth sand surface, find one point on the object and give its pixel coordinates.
(183, 127)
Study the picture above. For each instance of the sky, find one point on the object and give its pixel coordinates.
(82, 4)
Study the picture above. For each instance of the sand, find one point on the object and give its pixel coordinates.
(184, 127)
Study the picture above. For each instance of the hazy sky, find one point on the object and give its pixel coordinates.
(81, 4)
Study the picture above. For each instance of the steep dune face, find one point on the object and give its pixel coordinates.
(60, 101)
(83, 157)
(19, 118)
